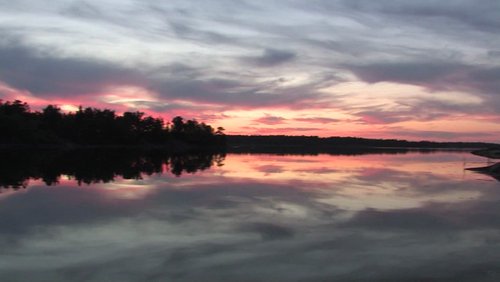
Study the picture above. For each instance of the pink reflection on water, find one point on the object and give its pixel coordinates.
(369, 177)
(381, 181)
(331, 167)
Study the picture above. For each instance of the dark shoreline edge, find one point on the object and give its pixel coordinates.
(273, 150)
(275, 144)
(176, 148)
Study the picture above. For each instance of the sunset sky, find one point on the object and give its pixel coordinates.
(378, 69)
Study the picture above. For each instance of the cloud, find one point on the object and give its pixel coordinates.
(67, 212)
(432, 216)
(48, 76)
(403, 219)
(478, 15)
(322, 120)
(83, 9)
(270, 169)
(44, 75)
(479, 81)
(247, 54)
(281, 130)
(484, 79)
(380, 117)
(494, 54)
(270, 120)
(430, 74)
(440, 135)
(272, 57)
(268, 231)
(414, 114)
(233, 92)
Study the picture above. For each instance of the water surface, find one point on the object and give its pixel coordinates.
(375, 217)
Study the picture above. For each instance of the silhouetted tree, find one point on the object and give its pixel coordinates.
(91, 126)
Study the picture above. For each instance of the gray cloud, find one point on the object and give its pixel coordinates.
(45, 75)
(233, 92)
(268, 231)
(494, 54)
(270, 169)
(83, 9)
(272, 57)
(281, 130)
(250, 54)
(437, 134)
(415, 112)
(318, 120)
(431, 216)
(270, 120)
(480, 15)
(431, 74)
(481, 81)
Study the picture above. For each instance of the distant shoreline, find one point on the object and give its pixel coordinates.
(343, 142)
(279, 144)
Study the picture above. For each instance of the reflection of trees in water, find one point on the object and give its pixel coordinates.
(94, 166)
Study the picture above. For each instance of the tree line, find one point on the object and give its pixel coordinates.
(315, 144)
(92, 126)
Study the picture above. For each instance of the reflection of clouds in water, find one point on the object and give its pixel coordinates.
(212, 228)
(340, 169)
(268, 231)
(269, 169)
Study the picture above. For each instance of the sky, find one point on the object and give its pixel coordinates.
(417, 70)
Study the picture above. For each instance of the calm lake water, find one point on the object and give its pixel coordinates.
(376, 217)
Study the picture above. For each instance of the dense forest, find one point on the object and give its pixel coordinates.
(91, 126)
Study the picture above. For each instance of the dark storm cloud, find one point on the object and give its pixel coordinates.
(272, 57)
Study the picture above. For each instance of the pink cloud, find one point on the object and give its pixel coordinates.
(270, 120)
